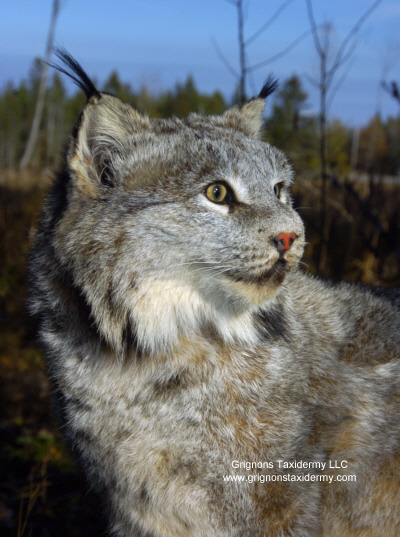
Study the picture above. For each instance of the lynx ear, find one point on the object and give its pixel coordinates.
(101, 137)
(248, 118)
(102, 140)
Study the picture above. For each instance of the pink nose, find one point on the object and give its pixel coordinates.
(284, 241)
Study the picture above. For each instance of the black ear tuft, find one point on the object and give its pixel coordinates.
(269, 87)
(76, 72)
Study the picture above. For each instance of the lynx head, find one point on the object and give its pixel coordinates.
(166, 225)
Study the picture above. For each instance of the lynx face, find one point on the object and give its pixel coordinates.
(175, 222)
(165, 225)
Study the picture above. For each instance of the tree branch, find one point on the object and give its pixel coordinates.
(330, 73)
(338, 58)
(312, 80)
(314, 28)
(268, 23)
(336, 87)
(280, 54)
(393, 90)
(224, 59)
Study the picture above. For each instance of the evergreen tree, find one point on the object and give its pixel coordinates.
(55, 126)
(338, 148)
(289, 129)
(121, 90)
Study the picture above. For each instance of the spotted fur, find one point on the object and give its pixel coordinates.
(180, 336)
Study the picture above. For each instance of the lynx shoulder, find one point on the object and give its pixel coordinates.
(206, 385)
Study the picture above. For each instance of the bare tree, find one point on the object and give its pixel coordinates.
(329, 66)
(245, 69)
(390, 59)
(392, 89)
(34, 132)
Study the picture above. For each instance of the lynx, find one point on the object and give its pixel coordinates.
(208, 387)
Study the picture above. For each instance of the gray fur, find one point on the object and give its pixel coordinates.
(180, 339)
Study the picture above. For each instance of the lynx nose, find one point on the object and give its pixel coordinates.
(284, 241)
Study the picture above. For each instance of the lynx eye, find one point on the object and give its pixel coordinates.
(278, 189)
(217, 192)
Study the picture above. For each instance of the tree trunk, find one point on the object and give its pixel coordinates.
(324, 232)
(34, 132)
(242, 56)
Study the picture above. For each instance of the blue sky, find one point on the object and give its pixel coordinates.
(159, 43)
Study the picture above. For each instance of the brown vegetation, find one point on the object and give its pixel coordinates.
(41, 493)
